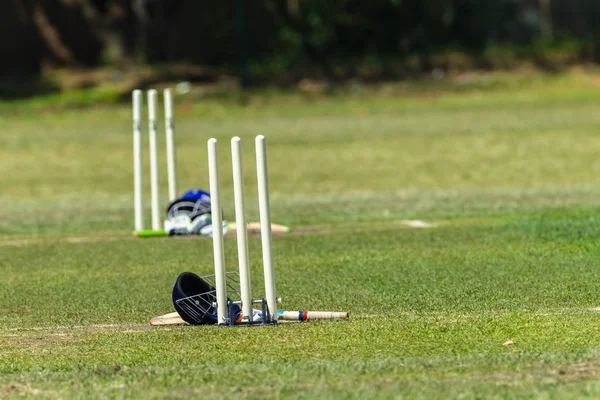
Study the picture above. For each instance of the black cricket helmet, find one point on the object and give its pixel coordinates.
(193, 298)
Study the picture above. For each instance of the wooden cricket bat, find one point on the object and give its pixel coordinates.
(168, 319)
(255, 227)
(174, 318)
(302, 315)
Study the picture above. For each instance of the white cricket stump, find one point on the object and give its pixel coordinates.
(137, 99)
(152, 140)
(265, 225)
(242, 229)
(170, 144)
(217, 226)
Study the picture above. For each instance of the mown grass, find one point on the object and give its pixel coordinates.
(509, 177)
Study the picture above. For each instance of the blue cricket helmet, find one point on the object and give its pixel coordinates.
(197, 194)
(195, 204)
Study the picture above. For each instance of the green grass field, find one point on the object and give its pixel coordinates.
(508, 172)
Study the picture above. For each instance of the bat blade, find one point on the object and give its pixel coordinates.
(255, 227)
(167, 319)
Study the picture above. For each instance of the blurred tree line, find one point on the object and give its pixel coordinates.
(335, 38)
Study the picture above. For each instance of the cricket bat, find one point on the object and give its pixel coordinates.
(253, 227)
(168, 319)
(301, 315)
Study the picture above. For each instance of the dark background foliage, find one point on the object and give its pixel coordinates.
(333, 38)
